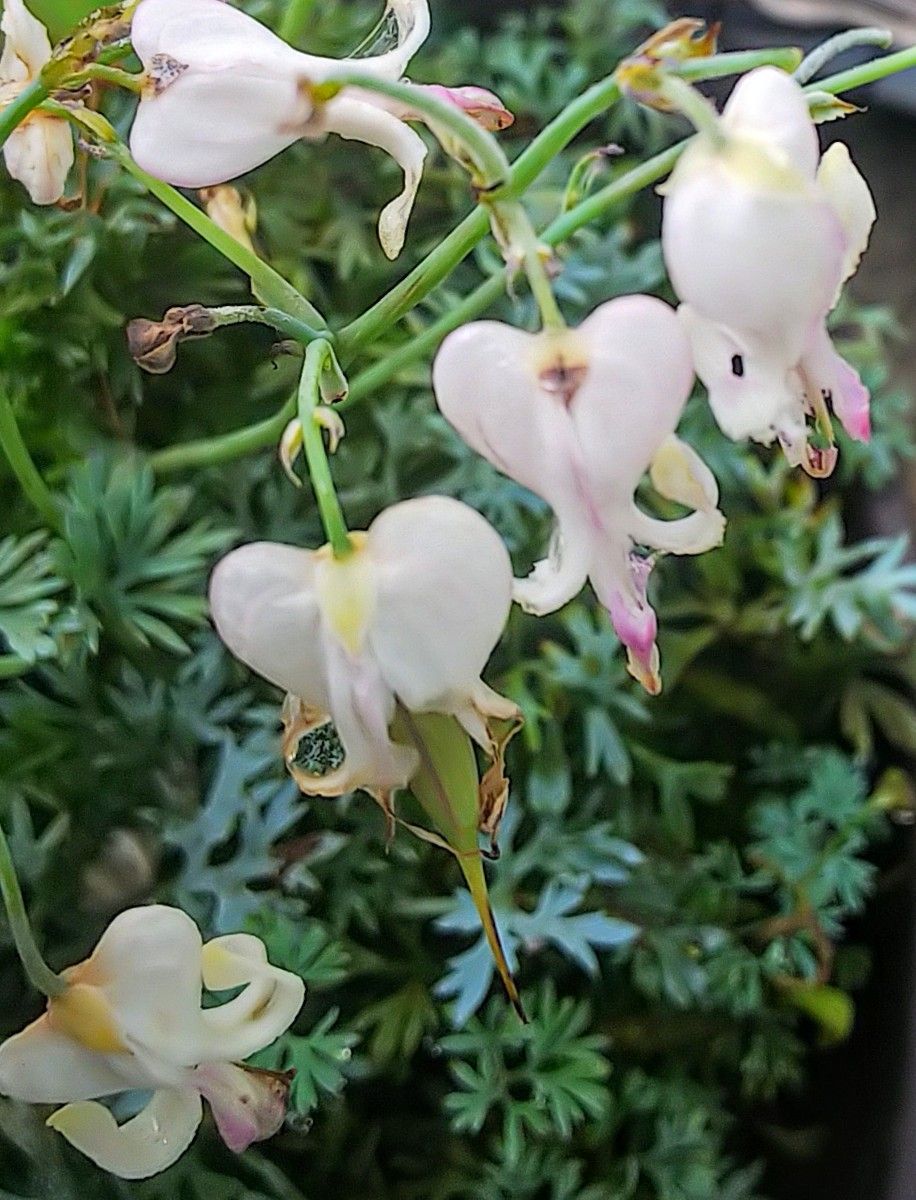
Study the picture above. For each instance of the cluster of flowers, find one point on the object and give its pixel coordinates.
(760, 233)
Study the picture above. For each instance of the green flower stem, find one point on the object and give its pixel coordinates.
(26, 102)
(227, 447)
(282, 322)
(105, 73)
(408, 294)
(24, 468)
(829, 50)
(295, 19)
(737, 62)
(598, 205)
(115, 52)
(412, 290)
(550, 142)
(224, 447)
(870, 72)
(267, 284)
(318, 357)
(491, 173)
(692, 104)
(40, 975)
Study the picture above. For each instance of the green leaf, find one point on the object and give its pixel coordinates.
(27, 585)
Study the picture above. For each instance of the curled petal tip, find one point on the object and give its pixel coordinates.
(248, 1105)
(482, 106)
(646, 671)
(859, 426)
(820, 463)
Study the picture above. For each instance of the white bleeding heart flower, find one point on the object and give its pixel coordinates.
(225, 94)
(578, 417)
(410, 617)
(760, 234)
(131, 1019)
(39, 152)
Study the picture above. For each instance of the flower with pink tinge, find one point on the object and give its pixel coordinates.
(131, 1019)
(760, 233)
(578, 417)
(224, 94)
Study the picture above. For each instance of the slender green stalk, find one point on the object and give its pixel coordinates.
(425, 278)
(449, 253)
(26, 102)
(692, 104)
(870, 72)
(105, 73)
(829, 50)
(267, 284)
(295, 19)
(273, 318)
(225, 447)
(607, 198)
(40, 975)
(317, 358)
(28, 475)
(737, 62)
(598, 205)
(550, 142)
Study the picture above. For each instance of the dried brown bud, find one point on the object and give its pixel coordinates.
(154, 344)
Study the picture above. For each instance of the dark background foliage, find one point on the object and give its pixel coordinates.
(678, 877)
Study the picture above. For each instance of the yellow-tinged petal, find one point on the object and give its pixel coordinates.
(143, 1146)
(850, 197)
(42, 1065)
(84, 1013)
(346, 591)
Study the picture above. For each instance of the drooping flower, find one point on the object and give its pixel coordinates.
(578, 417)
(760, 233)
(381, 655)
(39, 152)
(131, 1019)
(410, 618)
(225, 94)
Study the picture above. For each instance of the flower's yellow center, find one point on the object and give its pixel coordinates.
(83, 1013)
(346, 592)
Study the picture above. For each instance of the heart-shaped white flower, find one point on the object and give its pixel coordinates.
(131, 1019)
(411, 617)
(578, 417)
(760, 233)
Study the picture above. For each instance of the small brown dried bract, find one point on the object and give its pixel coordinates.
(494, 786)
(640, 75)
(687, 37)
(154, 344)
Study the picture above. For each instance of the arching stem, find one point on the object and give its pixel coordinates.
(319, 357)
(40, 975)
